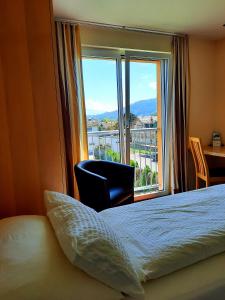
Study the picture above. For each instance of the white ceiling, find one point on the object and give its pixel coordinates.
(196, 17)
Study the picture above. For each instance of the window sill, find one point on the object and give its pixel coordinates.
(150, 196)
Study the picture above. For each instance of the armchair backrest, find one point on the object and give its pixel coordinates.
(93, 188)
(94, 166)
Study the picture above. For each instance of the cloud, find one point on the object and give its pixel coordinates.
(97, 107)
(153, 85)
(144, 76)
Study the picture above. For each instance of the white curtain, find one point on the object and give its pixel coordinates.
(166, 121)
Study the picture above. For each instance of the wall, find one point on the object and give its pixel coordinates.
(207, 101)
(114, 38)
(219, 109)
(202, 93)
(31, 151)
(207, 70)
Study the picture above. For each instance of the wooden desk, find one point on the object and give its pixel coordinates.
(214, 151)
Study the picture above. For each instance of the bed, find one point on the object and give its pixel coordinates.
(33, 265)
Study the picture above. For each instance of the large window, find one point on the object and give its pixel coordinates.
(123, 107)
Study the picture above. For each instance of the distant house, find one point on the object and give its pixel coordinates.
(93, 128)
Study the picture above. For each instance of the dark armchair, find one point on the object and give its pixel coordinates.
(104, 184)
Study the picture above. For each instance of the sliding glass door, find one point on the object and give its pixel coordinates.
(102, 98)
(143, 102)
(123, 106)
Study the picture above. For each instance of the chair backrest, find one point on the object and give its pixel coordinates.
(200, 162)
(94, 166)
(92, 186)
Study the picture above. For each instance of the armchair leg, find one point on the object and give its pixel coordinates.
(197, 183)
(129, 200)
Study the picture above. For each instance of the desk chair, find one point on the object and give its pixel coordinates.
(210, 176)
(104, 184)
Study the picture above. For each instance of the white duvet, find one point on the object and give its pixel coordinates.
(169, 233)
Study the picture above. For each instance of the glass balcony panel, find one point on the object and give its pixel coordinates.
(144, 154)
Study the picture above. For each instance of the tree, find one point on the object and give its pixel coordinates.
(133, 163)
(148, 177)
(145, 177)
(115, 126)
(133, 120)
(113, 155)
(106, 120)
(100, 127)
(100, 151)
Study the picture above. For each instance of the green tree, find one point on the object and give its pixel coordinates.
(116, 125)
(100, 127)
(112, 155)
(106, 120)
(133, 120)
(133, 163)
(100, 151)
(148, 176)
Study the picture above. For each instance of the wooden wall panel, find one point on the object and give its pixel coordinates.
(6, 174)
(34, 154)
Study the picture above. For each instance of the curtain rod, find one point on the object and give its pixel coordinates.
(119, 27)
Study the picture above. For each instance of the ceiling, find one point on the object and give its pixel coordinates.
(196, 17)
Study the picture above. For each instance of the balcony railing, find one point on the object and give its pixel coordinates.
(143, 154)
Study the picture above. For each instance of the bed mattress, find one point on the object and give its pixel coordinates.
(33, 266)
(202, 281)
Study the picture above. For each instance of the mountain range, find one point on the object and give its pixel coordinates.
(140, 108)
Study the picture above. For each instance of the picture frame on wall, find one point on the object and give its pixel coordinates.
(216, 139)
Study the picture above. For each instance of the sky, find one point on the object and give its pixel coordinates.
(100, 84)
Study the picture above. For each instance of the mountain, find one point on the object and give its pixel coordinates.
(140, 108)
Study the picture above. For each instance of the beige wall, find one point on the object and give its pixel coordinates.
(202, 93)
(114, 38)
(207, 101)
(219, 110)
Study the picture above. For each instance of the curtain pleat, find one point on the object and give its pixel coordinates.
(180, 112)
(166, 122)
(72, 99)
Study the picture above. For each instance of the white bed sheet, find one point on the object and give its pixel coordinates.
(172, 232)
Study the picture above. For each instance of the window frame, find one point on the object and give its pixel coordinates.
(129, 55)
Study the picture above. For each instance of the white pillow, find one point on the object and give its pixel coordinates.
(91, 244)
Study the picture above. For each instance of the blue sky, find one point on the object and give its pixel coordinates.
(101, 88)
